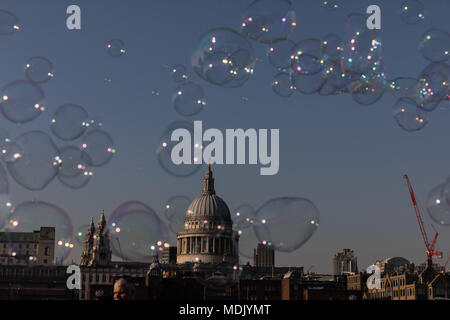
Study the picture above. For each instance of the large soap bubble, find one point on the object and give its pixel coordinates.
(287, 223)
(435, 45)
(22, 101)
(188, 99)
(224, 58)
(166, 145)
(412, 12)
(438, 203)
(30, 216)
(409, 116)
(98, 148)
(39, 69)
(268, 21)
(136, 232)
(69, 122)
(33, 160)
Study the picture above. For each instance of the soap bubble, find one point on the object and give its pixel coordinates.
(9, 23)
(286, 222)
(438, 204)
(355, 24)
(22, 101)
(166, 145)
(280, 54)
(188, 99)
(179, 73)
(268, 21)
(308, 84)
(33, 160)
(432, 89)
(98, 148)
(363, 52)
(435, 45)
(282, 84)
(69, 122)
(116, 48)
(136, 232)
(367, 90)
(72, 162)
(30, 216)
(39, 69)
(402, 87)
(224, 58)
(409, 115)
(412, 12)
(308, 57)
(243, 223)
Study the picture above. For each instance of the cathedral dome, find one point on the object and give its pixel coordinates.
(208, 206)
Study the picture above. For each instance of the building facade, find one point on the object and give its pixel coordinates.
(345, 262)
(25, 248)
(263, 256)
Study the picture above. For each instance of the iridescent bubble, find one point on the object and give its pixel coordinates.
(308, 57)
(33, 160)
(432, 89)
(80, 233)
(286, 222)
(438, 205)
(283, 85)
(412, 12)
(268, 21)
(179, 73)
(188, 99)
(98, 148)
(78, 181)
(166, 145)
(438, 67)
(404, 87)
(279, 54)
(136, 232)
(224, 58)
(116, 48)
(30, 216)
(367, 91)
(435, 45)
(336, 74)
(72, 162)
(308, 84)
(39, 69)
(69, 122)
(333, 46)
(9, 23)
(175, 212)
(22, 101)
(409, 115)
(331, 5)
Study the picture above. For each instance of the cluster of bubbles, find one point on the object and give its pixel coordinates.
(418, 97)
(137, 233)
(438, 203)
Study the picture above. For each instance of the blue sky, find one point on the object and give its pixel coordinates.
(348, 159)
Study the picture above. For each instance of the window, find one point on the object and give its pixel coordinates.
(46, 251)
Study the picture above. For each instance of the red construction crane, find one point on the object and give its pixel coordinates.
(431, 252)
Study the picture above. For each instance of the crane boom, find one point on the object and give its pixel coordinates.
(419, 218)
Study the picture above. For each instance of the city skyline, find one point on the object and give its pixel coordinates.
(348, 159)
